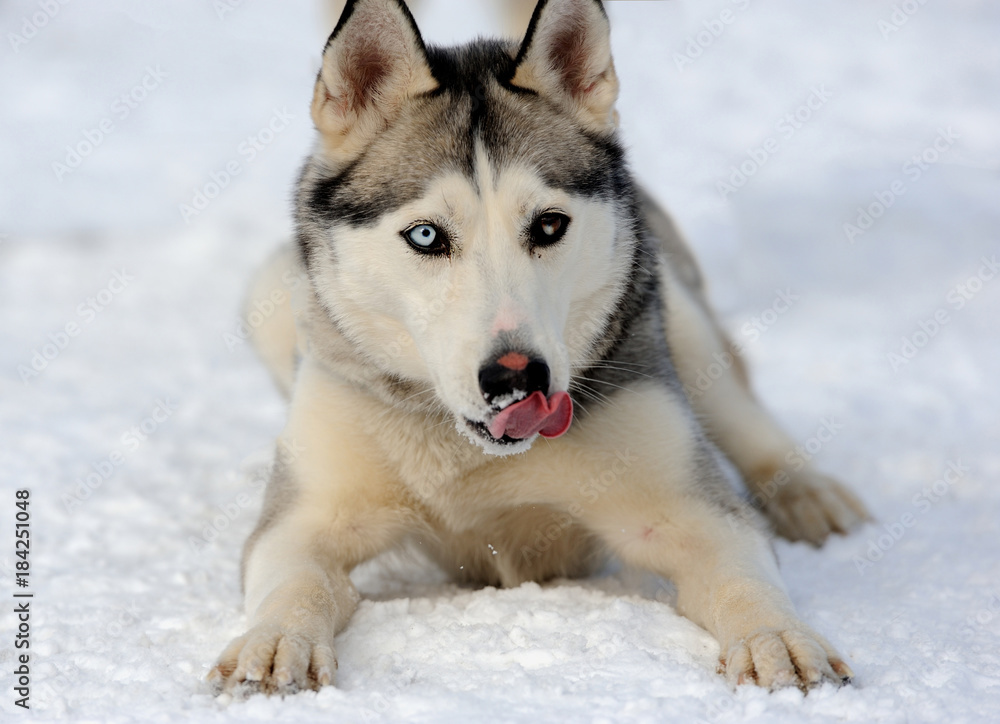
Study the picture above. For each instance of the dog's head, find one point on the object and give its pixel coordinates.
(465, 218)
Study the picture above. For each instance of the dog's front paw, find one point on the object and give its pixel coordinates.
(775, 658)
(273, 660)
(810, 506)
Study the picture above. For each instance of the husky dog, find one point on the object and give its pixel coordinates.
(494, 352)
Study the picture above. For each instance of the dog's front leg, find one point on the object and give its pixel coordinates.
(739, 597)
(329, 506)
(295, 610)
(642, 477)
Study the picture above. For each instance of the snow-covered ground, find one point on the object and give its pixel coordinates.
(890, 342)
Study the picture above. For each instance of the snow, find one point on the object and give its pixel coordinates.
(136, 583)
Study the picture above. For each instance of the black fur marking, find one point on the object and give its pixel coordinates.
(331, 199)
(304, 246)
(473, 101)
(469, 71)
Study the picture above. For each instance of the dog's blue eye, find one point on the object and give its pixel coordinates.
(423, 235)
(426, 238)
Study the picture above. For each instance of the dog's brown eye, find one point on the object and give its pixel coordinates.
(549, 228)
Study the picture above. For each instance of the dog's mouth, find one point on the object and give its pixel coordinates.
(534, 415)
(483, 433)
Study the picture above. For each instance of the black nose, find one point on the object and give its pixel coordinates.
(513, 371)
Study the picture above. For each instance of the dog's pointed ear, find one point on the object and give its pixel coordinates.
(373, 62)
(566, 54)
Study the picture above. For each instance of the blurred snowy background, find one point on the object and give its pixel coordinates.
(844, 154)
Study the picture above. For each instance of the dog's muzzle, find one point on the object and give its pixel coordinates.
(517, 386)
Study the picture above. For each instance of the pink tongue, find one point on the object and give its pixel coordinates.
(534, 414)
